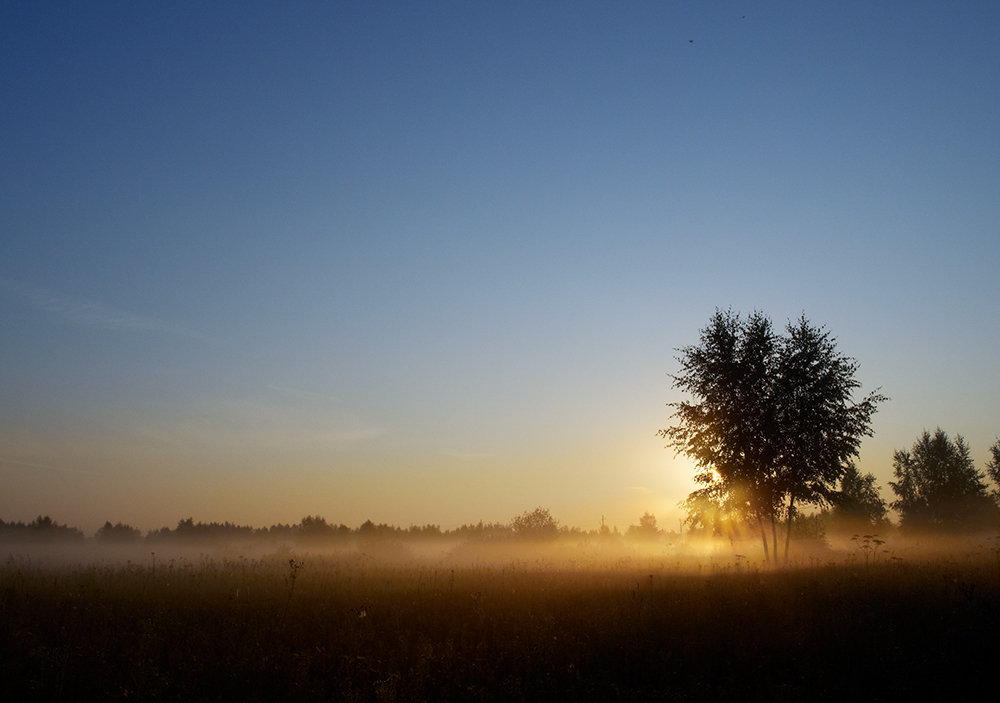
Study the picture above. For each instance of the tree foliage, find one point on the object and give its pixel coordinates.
(810, 527)
(772, 420)
(41, 529)
(646, 529)
(993, 469)
(119, 533)
(858, 506)
(938, 487)
(535, 524)
(317, 529)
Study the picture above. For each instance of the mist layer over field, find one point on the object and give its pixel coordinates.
(498, 622)
(687, 554)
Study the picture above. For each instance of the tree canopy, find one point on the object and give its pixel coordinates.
(772, 420)
(938, 487)
(120, 533)
(858, 506)
(993, 469)
(535, 524)
(646, 529)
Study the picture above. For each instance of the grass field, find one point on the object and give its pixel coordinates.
(567, 625)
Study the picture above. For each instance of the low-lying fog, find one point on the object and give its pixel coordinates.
(563, 553)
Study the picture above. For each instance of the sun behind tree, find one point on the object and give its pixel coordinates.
(773, 421)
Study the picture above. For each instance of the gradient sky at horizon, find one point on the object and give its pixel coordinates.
(429, 262)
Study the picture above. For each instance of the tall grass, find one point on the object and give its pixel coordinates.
(350, 627)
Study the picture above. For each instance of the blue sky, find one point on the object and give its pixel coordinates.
(429, 262)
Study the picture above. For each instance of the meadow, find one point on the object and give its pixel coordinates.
(570, 623)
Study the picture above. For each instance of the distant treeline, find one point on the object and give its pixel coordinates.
(533, 524)
(41, 529)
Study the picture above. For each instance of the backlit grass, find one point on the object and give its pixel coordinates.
(348, 627)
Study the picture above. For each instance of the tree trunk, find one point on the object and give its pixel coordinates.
(788, 529)
(763, 539)
(774, 538)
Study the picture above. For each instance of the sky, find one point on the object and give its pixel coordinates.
(431, 262)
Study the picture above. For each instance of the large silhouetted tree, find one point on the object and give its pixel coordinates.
(772, 422)
(938, 487)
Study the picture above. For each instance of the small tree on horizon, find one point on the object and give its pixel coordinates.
(535, 524)
(315, 528)
(646, 529)
(118, 534)
(858, 506)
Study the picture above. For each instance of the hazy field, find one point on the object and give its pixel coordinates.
(485, 622)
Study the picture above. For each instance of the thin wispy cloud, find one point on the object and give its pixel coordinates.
(32, 465)
(90, 313)
(259, 424)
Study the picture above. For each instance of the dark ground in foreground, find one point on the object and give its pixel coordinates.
(348, 629)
